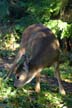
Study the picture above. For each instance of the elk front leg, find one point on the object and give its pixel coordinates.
(14, 65)
(37, 87)
(57, 74)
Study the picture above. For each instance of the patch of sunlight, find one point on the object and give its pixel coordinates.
(10, 42)
(52, 24)
(61, 24)
(67, 80)
(56, 24)
(5, 90)
(55, 99)
(11, 46)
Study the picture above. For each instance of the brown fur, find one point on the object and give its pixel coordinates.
(43, 48)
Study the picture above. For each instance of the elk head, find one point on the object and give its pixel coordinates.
(25, 75)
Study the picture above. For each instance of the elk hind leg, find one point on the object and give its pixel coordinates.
(37, 87)
(57, 74)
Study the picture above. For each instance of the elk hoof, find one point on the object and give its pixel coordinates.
(62, 92)
(37, 88)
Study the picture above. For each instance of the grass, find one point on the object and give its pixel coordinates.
(49, 96)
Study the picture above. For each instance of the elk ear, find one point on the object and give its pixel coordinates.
(25, 67)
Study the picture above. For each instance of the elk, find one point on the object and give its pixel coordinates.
(43, 49)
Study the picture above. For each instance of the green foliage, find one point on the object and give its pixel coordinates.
(41, 10)
(60, 28)
(3, 9)
(19, 14)
(67, 32)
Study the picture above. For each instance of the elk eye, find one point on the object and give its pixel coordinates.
(17, 77)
